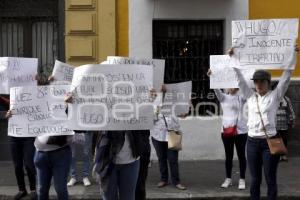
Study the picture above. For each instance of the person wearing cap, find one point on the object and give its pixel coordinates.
(267, 100)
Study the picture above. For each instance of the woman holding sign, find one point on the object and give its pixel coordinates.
(262, 107)
(22, 151)
(234, 132)
(159, 134)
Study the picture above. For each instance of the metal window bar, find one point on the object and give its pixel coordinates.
(30, 29)
(186, 46)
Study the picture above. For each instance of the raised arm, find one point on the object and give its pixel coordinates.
(285, 78)
(220, 95)
(245, 90)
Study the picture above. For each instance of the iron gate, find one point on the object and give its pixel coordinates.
(186, 46)
(32, 28)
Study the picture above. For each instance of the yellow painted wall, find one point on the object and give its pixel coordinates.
(90, 34)
(122, 27)
(266, 9)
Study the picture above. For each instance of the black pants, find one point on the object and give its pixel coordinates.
(166, 156)
(145, 148)
(240, 144)
(22, 151)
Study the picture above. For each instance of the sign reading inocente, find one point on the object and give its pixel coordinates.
(111, 97)
(38, 110)
(264, 44)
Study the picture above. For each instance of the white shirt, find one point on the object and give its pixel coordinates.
(125, 154)
(268, 104)
(232, 106)
(40, 143)
(159, 131)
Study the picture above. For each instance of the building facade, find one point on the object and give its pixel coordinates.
(183, 32)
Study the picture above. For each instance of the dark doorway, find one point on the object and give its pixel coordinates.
(186, 46)
(31, 28)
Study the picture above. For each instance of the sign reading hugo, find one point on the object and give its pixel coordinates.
(267, 44)
(111, 97)
(38, 110)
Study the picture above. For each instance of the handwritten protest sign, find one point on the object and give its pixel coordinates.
(264, 44)
(223, 75)
(177, 98)
(62, 73)
(111, 97)
(17, 72)
(38, 110)
(158, 67)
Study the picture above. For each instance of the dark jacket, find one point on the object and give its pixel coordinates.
(109, 145)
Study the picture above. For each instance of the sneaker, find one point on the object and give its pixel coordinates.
(20, 195)
(86, 181)
(162, 184)
(227, 183)
(284, 159)
(72, 182)
(180, 187)
(242, 184)
(32, 195)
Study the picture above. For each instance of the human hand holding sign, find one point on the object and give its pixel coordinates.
(68, 98)
(8, 114)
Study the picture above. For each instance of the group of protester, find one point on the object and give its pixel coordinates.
(122, 157)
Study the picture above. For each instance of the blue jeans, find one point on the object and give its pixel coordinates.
(87, 147)
(54, 164)
(122, 182)
(22, 151)
(165, 156)
(259, 156)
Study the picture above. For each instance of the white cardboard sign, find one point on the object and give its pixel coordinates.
(38, 110)
(111, 97)
(158, 67)
(223, 75)
(62, 73)
(177, 98)
(264, 44)
(16, 72)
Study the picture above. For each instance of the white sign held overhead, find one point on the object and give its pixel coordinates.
(62, 73)
(265, 44)
(16, 72)
(177, 98)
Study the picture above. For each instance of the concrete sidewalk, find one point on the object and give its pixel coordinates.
(203, 179)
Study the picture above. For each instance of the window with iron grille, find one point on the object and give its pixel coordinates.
(186, 46)
(32, 28)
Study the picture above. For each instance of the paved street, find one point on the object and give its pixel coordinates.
(202, 178)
